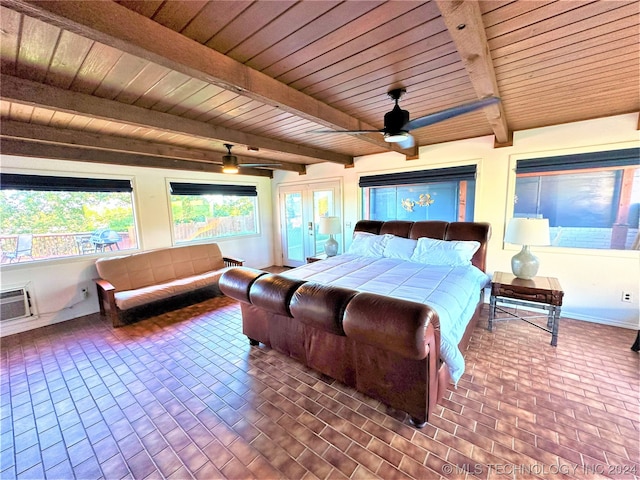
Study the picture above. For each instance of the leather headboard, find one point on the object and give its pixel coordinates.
(478, 231)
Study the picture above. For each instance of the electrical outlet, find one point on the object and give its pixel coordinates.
(85, 293)
(626, 296)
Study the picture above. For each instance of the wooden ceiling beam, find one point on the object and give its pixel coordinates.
(81, 139)
(463, 19)
(19, 147)
(36, 94)
(112, 24)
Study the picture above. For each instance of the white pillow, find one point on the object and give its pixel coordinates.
(454, 253)
(399, 247)
(368, 245)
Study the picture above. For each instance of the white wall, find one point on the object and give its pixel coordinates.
(56, 284)
(593, 280)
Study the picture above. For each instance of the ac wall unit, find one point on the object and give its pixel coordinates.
(14, 303)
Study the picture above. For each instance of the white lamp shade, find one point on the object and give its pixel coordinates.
(329, 225)
(528, 231)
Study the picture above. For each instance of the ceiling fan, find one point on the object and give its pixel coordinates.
(397, 124)
(230, 162)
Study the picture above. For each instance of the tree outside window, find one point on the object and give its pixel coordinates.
(64, 221)
(198, 217)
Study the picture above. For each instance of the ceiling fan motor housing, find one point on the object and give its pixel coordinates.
(230, 160)
(395, 120)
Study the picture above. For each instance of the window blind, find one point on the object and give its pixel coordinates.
(466, 172)
(11, 181)
(610, 158)
(179, 188)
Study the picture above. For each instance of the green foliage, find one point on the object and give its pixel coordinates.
(211, 216)
(198, 208)
(189, 208)
(233, 207)
(23, 211)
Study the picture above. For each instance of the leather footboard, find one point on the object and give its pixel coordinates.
(386, 348)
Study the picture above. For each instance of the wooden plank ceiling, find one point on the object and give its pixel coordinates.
(168, 83)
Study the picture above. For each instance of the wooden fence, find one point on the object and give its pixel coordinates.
(217, 227)
(52, 245)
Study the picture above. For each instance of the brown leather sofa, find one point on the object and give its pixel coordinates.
(386, 348)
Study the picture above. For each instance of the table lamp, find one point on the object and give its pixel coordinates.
(330, 225)
(527, 232)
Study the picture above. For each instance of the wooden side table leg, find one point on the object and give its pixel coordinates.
(556, 325)
(492, 311)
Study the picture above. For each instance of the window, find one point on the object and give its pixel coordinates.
(201, 211)
(440, 194)
(46, 217)
(591, 200)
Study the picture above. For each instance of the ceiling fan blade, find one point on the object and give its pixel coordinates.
(408, 143)
(449, 113)
(345, 131)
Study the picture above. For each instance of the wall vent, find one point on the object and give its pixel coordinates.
(15, 303)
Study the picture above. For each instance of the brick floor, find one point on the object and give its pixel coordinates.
(183, 395)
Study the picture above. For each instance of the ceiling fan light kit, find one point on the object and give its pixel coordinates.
(396, 137)
(229, 169)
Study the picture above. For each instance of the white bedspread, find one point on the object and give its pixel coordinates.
(451, 291)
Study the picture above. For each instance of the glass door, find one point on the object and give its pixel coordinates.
(301, 207)
(293, 235)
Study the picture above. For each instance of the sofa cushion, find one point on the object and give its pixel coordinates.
(156, 267)
(194, 282)
(134, 298)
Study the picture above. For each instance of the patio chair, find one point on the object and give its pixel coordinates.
(24, 245)
(84, 244)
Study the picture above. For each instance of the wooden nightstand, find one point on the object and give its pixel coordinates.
(317, 258)
(543, 293)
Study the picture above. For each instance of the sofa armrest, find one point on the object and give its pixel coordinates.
(232, 262)
(107, 300)
(104, 284)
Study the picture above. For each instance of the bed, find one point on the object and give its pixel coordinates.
(390, 317)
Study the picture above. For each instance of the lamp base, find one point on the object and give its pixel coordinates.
(331, 247)
(524, 264)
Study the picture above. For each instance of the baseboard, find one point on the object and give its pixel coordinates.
(611, 322)
(28, 323)
(631, 324)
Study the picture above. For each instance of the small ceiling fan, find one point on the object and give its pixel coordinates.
(230, 162)
(397, 124)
